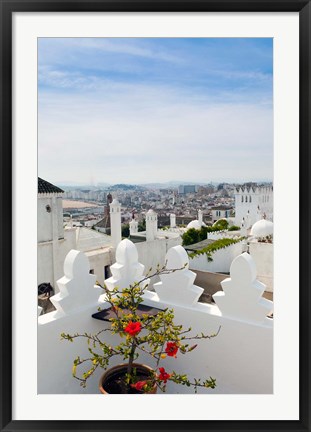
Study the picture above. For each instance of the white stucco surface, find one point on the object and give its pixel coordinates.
(183, 292)
(99, 259)
(262, 228)
(51, 257)
(237, 370)
(50, 219)
(115, 221)
(262, 254)
(152, 253)
(89, 239)
(126, 270)
(222, 259)
(151, 225)
(253, 204)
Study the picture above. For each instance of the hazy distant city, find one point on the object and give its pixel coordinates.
(87, 205)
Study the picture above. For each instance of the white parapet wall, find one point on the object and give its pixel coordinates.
(51, 257)
(240, 317)
(152, 253)
(262, 254)
(222, 259)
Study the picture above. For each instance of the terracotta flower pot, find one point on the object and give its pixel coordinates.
(111, 382)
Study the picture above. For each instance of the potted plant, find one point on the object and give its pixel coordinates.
(153, 334)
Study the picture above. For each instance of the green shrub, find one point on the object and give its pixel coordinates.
(142, 225)
(193, 235)
(234, 228)
(190, 236)
(125, 230)
(221, 224)
(165, 228)
(213, 247)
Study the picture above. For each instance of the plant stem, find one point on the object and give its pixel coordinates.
(131, 358)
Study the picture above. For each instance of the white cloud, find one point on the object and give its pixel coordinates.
(125, 47)
(146, 134)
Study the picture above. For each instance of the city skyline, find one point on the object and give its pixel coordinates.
(156, 185)
(136, 111)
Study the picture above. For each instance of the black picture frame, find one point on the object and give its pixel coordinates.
(8, 7)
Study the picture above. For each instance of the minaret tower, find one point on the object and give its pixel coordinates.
(115, 221)
(133, 225)
(173, 220)
(200, 217)
(151, 225)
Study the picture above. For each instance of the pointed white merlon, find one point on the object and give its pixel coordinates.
(77, 289)
(177, 287)
(127, 270)
(242, 292)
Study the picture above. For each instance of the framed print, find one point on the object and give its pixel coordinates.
(155, 121)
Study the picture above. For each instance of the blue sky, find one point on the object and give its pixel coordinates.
(138, 110)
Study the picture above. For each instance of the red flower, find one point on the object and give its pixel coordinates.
(171, 349)
(133, 328)
(139, 385)
(164, 376)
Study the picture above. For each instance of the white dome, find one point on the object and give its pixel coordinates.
(195, 224)
(262, 228)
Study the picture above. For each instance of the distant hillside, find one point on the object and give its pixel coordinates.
(168, 185)
(126, 187)
(73, 186)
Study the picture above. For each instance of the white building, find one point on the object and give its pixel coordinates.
(53, 241)
(261, 250)
(252, 204)
(221, 212)
(153, 244)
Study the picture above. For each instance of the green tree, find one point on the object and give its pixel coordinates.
(221, 224)
(142, 225)
(234, 228)
(125, 230)
(191, 236)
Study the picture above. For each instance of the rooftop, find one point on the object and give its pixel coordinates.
(104, 223)
(46, 187)
(222, 207)
(89, 239)
(198, 246)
